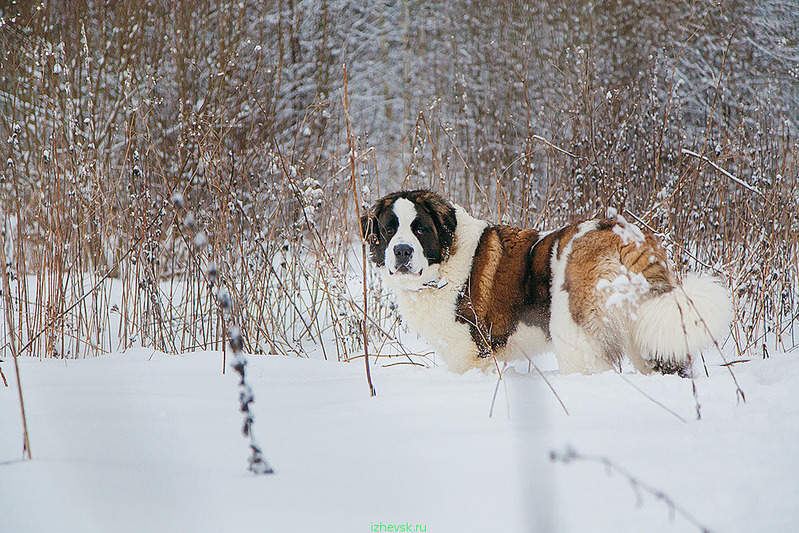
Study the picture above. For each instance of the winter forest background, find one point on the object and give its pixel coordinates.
(171, 168)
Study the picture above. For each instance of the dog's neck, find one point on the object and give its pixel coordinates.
(468, 230)
(451, 340)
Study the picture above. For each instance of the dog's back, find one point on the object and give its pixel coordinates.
(613, 292)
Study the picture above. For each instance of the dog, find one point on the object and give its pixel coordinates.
(590, 292)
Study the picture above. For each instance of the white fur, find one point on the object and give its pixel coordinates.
(524, 343)
(431, 311)
(575, 350)
(670, 326)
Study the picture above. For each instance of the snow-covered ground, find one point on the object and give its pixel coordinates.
(142, 441)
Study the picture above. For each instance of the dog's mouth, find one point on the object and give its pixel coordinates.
(405, 270)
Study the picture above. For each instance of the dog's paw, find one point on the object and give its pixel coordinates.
(670, 366)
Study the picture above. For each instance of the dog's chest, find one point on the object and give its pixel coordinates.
(431, 313)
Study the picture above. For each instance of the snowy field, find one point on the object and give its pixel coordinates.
(142, 441)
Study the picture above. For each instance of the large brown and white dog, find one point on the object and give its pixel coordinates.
(591, 292)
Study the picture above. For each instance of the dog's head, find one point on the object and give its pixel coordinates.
(409, 234)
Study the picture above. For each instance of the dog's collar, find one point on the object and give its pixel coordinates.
(439, 283)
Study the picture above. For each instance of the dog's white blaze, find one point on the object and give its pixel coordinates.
(575, 350)
(405, 210)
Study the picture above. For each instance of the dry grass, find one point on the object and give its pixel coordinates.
(101, 257)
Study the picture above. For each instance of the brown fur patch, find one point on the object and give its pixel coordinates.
(602, 254)
(599, 253)
(499, 291)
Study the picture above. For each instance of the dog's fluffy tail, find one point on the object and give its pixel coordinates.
(683, 321)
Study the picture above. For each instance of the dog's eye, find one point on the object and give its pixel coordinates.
(421, 230)
(390, 231)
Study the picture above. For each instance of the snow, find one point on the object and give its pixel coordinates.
(629, 233)
(142, 441)
(625, 291)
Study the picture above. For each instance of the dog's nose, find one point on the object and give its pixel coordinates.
(403, 252)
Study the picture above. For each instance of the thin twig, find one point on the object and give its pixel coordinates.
(739, 181)
(557, 396)
(558, 148)
(354, 184)
(730, 363)
(569, 455)
(26, 445)
(739, 393)
(650, 398)
(496, 389)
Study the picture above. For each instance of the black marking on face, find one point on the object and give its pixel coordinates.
(379, 225)
(426, 232)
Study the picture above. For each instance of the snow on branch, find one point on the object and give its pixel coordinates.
(739, 181)
(257, 462)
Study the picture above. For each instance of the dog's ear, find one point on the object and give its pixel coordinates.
(371, 232)
(444, 216)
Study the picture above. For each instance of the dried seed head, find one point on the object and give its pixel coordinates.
(235, 338)
(177, 200)
(212, 270)
(189, 220)
(200, 240)
(224, 299)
